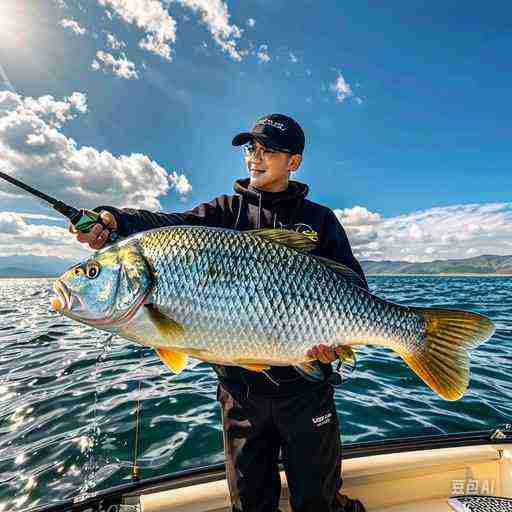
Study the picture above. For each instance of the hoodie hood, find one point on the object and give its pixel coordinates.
(295, 192)
(264, 209)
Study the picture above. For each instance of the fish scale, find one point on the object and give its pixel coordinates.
(293, 301)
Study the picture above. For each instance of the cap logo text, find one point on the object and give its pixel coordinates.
(275, 124)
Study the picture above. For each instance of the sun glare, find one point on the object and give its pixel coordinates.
(17, 23)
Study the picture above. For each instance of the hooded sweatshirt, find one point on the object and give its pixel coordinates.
(250, 208)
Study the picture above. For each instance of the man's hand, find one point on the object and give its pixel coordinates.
(323, 353)
(97, 236)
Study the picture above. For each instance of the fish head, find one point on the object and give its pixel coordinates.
(107, 289)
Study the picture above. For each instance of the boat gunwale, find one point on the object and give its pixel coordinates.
(214, 472)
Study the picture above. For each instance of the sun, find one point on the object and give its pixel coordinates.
(17, 23)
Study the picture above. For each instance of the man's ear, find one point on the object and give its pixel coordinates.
(294, 162)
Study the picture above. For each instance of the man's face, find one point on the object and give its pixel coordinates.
(269, 169)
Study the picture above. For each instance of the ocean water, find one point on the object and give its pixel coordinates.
(68, 396)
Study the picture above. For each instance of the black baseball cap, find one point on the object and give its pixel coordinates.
(276, 131)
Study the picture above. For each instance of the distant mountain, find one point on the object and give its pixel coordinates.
(33, 266)
(19, 272)
(486, 264)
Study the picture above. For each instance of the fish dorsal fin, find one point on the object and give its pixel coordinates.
(175, 361)
(347, 273)
(286, 237)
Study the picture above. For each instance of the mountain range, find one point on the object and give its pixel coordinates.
(485, 264)
(39, 266)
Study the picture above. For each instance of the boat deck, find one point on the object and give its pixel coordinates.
(419, 481)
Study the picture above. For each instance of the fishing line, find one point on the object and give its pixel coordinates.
(135, 467)
(92, 465)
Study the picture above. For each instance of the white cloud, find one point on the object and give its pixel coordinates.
(36, 152)
(74, 26)
(262, 53)
(215, 14)
(18, 237)
(122, 67)
(46, 108)
(341, 88)
(358, 215)
(293, 58)
(153, 45)
(437, 233)
(11, 223)
(251, 22)
(114, 43)
(181, 183)
(151, 17)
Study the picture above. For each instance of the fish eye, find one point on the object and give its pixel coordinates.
(93, 270)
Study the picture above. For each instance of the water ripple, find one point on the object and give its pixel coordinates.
(68, 404)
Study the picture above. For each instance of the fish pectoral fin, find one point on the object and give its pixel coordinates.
(175, 361)
(286, 237)
(310, 371)
(444, 363)
(346, 354)
(168, 327)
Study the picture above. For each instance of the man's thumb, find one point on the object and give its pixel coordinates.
(108, 219)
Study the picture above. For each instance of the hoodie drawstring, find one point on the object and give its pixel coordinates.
(241, 205)
(259, 212)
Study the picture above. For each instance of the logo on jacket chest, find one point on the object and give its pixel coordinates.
(304, 229)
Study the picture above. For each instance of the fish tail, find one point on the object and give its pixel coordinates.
(443, 364)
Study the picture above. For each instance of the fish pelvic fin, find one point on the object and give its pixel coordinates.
(175, 361)
(450, 334)
(251, 364)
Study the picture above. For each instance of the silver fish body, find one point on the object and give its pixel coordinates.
(258, 299)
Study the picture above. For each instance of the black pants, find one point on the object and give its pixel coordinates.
(304, 427)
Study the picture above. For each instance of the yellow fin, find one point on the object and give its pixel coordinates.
(286, 237)
(255, 367)
(167, 326)
(444, 363)
(175, 361)
(250, 364)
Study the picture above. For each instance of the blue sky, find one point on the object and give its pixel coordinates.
(405, 108)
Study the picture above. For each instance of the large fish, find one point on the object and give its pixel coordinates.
(256, 299)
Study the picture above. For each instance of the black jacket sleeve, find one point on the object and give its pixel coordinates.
(216, 213)
(335, 245)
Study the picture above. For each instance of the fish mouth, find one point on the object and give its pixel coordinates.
(67, 299)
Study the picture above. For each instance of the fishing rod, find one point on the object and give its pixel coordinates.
(82, 219)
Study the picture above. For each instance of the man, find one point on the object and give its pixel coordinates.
(279, 410)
